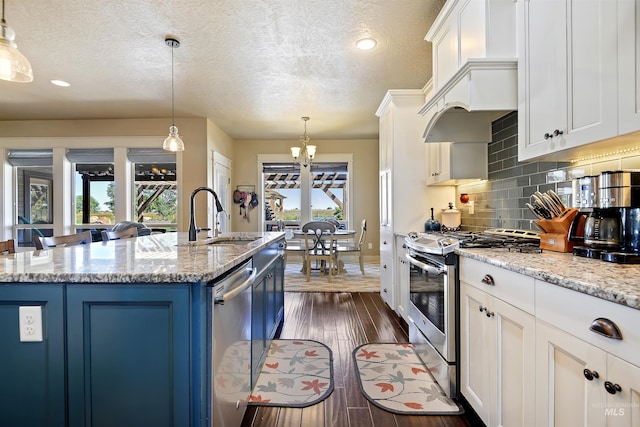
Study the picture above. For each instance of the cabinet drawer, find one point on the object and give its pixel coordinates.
(574, 312)
(513, 288)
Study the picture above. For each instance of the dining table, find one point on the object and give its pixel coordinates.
(339, 234)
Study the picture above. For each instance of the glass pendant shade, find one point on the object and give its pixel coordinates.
(311, 151)
(295, 152)
(173, 142)
(14, 67)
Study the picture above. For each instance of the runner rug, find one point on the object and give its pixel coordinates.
(394, 378)
(296, 373)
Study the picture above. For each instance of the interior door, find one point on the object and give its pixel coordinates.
(222, 187)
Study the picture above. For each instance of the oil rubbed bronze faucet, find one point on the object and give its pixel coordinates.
(193, 230)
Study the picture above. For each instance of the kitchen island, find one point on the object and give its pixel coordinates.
(126, 328)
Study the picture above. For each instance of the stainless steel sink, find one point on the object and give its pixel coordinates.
(222, 241)
(230, 241)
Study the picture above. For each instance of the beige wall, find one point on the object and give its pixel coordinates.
(201, 137)
(364, 176)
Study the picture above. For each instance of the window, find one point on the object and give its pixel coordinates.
(94, 186)
(155, 189)
(328, 190)
(34, 207)
(296, 195)
(101, 185)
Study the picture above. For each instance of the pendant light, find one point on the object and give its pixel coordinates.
(14, 67)
(173, 142)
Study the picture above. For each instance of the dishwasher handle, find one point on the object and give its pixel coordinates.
(238, 289)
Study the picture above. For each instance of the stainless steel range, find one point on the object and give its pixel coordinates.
(434, 298)
(433, 305)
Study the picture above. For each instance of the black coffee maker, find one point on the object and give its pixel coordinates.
(595, 229)
(619, 200)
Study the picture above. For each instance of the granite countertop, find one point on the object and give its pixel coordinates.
(159, 258)
(618, 283)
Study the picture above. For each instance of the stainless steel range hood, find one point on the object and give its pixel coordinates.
(463, 108)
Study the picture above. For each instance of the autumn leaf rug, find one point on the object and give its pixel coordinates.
(394, 378)
(296, 373)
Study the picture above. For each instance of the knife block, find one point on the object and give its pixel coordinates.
(556, 232)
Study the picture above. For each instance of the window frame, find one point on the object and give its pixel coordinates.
(306, 182)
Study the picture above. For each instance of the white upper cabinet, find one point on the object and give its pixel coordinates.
(629, 65)
(454, 163)
(568, 74)
(474, 77)
(470, 29)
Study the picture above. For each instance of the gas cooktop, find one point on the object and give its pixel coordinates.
(443, 243)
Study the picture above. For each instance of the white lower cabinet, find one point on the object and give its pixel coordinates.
(565, 397)
(528, 356)
(402, 279)
(387, 280)
(497, 359)
(579, 384)
(581, 379)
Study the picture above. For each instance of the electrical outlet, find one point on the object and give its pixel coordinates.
(471, 207)
(370, 246)
(30, 323)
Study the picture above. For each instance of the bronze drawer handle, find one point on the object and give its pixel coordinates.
(606, 328)
(488, 280)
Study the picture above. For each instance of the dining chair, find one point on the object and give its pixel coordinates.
(8, 246)
(332, 221)
(117, 235)
(319, 244)
(354, 247)
(62, 240)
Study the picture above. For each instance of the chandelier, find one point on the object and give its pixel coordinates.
(305, 154)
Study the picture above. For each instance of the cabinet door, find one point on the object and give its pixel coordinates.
(258, 320)
(128, 355)
(402, 279)
(32, 373)
(433, 162)
(274, 289)
(476, 350)
(564, 396)
(568, 85)
(497, 347)
(623, 407)
(513, 381)
(387, 281)
(543, 83)
(629, 65)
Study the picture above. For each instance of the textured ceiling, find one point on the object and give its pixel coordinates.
(253, 67)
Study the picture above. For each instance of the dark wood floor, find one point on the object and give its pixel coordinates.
(342, 321)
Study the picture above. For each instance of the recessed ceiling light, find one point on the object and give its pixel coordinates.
(366, 44)
(61, 83)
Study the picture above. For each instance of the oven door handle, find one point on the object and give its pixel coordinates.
(428, 267)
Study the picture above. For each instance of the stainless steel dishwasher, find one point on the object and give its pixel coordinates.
(231, 345)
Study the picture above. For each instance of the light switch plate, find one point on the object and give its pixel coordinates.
(30, 323)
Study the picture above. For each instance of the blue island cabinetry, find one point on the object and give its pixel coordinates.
(125, 354)
(126, 360)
